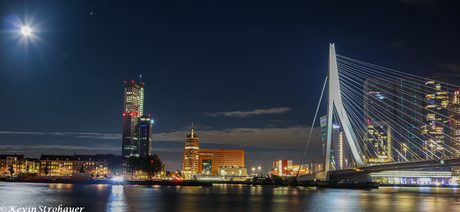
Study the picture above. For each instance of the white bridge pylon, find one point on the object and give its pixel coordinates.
(335, 100)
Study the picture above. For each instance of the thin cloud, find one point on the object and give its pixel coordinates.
(451, 67)
(57, 147)
(450, 70)
(101, 136)
(291, 137)
(37, 150)
(21, 133)
(250, 113)
(108, 136)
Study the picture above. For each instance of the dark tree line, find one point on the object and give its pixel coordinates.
(149, 164)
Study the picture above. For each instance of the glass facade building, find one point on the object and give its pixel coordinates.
(137, 129)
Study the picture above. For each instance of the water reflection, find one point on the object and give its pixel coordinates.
(117, 199)
(228, 198)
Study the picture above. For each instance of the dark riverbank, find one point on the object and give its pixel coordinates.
(163, 182)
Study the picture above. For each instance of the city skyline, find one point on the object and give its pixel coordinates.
(246, 74)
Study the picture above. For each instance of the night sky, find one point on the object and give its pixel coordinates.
(248, 74)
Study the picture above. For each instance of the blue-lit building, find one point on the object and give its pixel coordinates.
(144, 135)
(323, 124)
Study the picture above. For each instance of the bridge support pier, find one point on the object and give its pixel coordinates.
(320, 178)
(360, 178)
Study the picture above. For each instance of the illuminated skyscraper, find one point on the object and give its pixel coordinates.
(133, 110)
(455, 123)
(378, 142)
(436, 111)
(323, 124)
(387, 100)
(144, 135)
(191, 155)
(341, 148)
(455, 128)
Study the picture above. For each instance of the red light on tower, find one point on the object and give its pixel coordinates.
(132, 81)
(124, 114)
(368, 120)
(151, 161)
(125, 82)
(149, 115)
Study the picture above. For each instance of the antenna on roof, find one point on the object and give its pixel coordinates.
(140, 79)
(192, 131)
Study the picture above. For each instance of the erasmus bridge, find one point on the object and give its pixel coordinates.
(380, 119)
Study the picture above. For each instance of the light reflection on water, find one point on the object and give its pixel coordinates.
(117, 199)
(227, 198)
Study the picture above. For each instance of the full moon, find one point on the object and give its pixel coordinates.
(26, 30)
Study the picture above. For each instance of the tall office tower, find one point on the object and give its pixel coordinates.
(341, 147)
(396, 102)
(436, 121)
(323, 124)
(455, 122)
(378, 111)
(133, 109)
(191, 155)
(409, 108)
(378, 99)
(378, 142)
(455, 128)
(144, 134)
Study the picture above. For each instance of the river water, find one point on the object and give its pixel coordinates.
(233, 198)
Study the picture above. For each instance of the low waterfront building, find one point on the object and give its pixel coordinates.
(210, 160)
(8, 162)
(319, 167)
(414, 177)
(207, 161)
(233, 171)
(65, 165)
(288, 168)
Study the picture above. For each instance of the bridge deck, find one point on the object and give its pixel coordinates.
(399, 166)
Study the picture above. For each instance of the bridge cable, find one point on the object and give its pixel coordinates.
(442, 124)
(312, 126)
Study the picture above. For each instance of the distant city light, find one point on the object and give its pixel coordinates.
(117, 179)
(26, 30)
